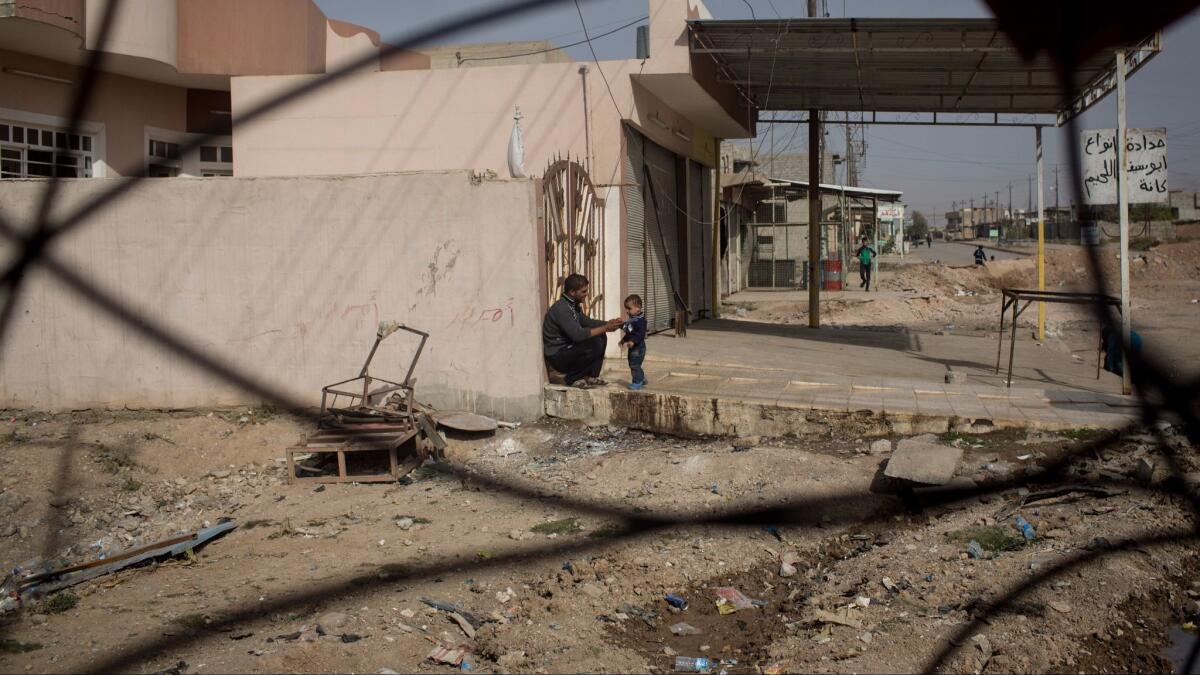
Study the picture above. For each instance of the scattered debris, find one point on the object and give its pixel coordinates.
(1073, 492)
(841, 618)
(676, 601)
(683, 628)
(745, 443)
(451, 656)
(380, 416)
(1026, 529)
(23, 586)
(730, 600)
(923, 462)
(509, 446)
(787, 564)
(454, 610)
(466, 421)
(985, 649)
(462, 622)
(689, 664)
(975, 550)
(955, 377)
(556, 527)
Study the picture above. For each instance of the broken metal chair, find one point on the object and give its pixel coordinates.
(370, 414)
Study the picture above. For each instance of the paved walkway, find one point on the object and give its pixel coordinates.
(843, 369)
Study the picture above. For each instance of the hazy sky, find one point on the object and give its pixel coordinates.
(933, 166)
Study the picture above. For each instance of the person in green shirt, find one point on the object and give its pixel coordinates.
(866, 255)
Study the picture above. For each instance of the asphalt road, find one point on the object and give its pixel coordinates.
(953, 253)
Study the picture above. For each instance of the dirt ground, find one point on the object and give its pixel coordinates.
(1164, 280)
(334, 579)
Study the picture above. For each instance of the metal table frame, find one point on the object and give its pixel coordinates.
(1013, 297)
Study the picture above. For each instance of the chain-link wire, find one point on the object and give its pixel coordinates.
(1159, 396)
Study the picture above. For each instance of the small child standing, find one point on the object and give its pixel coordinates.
(635, 338)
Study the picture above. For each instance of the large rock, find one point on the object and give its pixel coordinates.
(923, 462)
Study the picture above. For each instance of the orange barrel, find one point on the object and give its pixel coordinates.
(833, 275)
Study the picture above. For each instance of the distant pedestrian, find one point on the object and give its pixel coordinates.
(866, 256)
(928, 240)
(635, 339)
(980, 256)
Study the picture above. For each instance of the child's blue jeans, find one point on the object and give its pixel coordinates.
(637, 354)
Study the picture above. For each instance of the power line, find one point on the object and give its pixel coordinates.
(596, 60)
(942, 154)
(551, 49)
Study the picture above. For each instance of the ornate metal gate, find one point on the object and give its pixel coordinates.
(574, 218)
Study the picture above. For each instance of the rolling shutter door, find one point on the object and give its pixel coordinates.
(635, 216)
(662, 237)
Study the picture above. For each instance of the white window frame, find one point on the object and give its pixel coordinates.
(188, 164)
(217, 168)
(96, 130)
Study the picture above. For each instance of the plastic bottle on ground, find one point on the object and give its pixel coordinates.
(688, 664)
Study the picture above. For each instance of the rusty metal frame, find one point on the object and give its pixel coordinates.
(1012, 297)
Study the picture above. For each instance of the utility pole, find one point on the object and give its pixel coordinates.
(1008, 234)
(1123, 209)
(1056, 201)
(814, 207)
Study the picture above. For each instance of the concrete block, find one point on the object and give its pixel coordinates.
(956, 377)
(567, 403)
(957, 483)
(923, 462)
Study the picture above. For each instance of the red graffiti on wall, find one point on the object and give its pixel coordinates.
(470, 316)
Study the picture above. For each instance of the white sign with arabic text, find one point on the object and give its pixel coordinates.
(1146, 157)
(891, 212)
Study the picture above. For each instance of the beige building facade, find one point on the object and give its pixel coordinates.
(638, 151)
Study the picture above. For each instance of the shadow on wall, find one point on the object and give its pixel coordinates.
(286, 280)
(899, 340)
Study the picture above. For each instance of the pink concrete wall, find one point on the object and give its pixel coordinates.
(448, 119)
(236, 37)
(403, 59)
(65, 14)
(146, 29)
(285, 280)
(124, 105)
(346, 43)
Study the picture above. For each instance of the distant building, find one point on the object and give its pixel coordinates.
(166, 77)
(737, 157)
(494, 54)
(1185, 204)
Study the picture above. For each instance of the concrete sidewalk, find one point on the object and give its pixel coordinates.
(898, 374)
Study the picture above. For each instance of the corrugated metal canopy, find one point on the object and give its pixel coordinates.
(894, 65)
